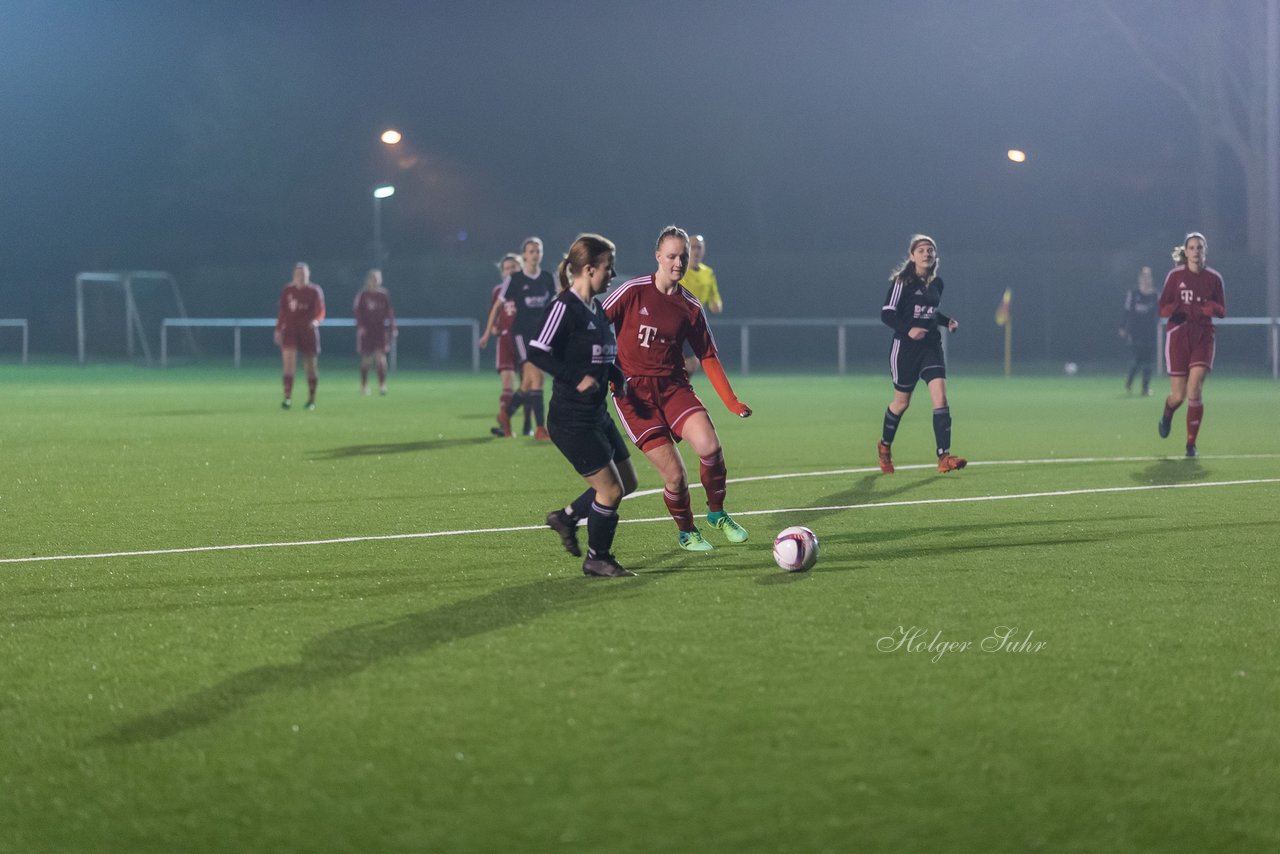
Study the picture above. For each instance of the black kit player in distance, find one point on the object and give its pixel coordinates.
(911, 311)
(576, 346)
(531, 289)
(1138, 327)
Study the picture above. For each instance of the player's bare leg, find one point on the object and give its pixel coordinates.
(675, 482)
(1177, 394)
(309, 364)
(699, 432)
(1195, 405)
(289, 366)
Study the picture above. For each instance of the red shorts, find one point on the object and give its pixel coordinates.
(1186, 346)
(654, 408)
(506, 357)
(372, 341)
(305, 339)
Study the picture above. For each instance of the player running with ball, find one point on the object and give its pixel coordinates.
(653, 317)
(577, 348)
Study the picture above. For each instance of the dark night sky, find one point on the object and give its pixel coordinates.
(168, 134)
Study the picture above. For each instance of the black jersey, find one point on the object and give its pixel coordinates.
(576, 340)
(1141, 315)
(912, 303)
(531, 296)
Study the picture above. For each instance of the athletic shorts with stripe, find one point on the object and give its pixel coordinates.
(912, 361)
(1186, 346)
(654, 409)
(505, 359)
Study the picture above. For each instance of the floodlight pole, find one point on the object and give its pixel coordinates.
(1273, 182)
(379, 252)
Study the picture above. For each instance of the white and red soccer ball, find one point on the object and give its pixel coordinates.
(795, 549)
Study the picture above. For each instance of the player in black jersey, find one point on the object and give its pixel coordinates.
(532, 290)
(577, 347)
(911, 311)
(1141, 320)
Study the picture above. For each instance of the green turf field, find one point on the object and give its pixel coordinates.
(327, 677)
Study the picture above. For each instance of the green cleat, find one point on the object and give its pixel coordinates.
(692, 541)
(732, 531)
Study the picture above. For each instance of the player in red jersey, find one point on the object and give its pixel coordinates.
(375, 327)
(298, 331)
(502, 313)
(654, 316)
(1192, 296)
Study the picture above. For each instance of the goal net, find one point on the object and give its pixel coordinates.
(121, 312)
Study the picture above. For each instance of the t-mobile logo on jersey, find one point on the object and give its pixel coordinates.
(647, 334)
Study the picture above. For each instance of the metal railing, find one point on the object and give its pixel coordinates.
(236, 324)
(1273, 338)
(841, 325)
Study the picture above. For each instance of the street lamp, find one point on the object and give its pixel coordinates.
(379, 193)
(390, 136)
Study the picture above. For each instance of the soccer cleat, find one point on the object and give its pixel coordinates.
(542, 435)
(1191, 450)
(497, 431)
(604, 566)
(528, 431)
(1164, 426)
(286, 403)
(732, 531)
(382, 390)
(947, 463)
(886, 457)
(504, 422)
(692, 541)
(364, 390)
(567, 529)
(310, 404)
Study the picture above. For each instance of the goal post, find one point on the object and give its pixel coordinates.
(126, 281)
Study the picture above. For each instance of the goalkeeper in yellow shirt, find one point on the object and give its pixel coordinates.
(700, 280)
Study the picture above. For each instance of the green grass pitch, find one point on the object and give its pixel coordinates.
(320, 679)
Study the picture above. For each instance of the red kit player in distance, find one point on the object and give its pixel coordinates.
(298, 331)
(375, 327)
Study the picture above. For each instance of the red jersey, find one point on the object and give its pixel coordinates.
(652, 328)
(1186, 294)
(372, 310)
(300, 307)
(506, 316)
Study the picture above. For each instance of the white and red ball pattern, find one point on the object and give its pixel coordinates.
(796, 548)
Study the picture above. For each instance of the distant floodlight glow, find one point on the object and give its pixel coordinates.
(1017, 156)
(391, 136)
(384, 192)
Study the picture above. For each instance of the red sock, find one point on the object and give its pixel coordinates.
(364, 377)
(288, 386)
(505, 400)
(713, 477)
(1195, 412)
(311, 387)
(382, 375)
(678, 507)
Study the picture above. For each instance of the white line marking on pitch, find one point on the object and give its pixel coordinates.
(870, 506)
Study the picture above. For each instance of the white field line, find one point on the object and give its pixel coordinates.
(871, 506)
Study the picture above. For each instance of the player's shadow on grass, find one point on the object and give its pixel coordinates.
(351, 650)
(862, 492)
(380, 449)
(1171, 471)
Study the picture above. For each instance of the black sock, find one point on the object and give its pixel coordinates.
(581, 506)
(602, 521)
(942, 430)
(891, 423)
(539, 411)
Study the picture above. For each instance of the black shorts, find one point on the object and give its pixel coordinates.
(912, 361)
(587, 446)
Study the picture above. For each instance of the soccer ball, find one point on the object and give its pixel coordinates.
(795, 549)
(1071, 368)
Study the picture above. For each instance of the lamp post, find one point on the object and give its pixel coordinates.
(379, 193)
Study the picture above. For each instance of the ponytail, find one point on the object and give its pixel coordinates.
(562, 274)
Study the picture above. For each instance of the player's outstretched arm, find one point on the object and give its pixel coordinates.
(715, 373)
